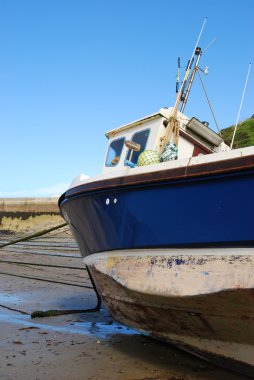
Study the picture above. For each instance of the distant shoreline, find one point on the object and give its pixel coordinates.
(27, 215)
(30, 205)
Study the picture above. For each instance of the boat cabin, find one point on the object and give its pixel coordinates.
(127, 142)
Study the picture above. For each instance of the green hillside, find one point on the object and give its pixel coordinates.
(244, 134)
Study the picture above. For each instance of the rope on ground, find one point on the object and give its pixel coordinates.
(37, 234)
(50, 313)
(40, 265)
(12, 309)
(44, 254)
(56, 313)
(46, 280)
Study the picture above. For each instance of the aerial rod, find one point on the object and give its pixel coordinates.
(178, 99)
(187, 72)
(173, 125)
(185, 94)
(210, 44)
(241, 103)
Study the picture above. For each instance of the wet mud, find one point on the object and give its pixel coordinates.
(76, 346)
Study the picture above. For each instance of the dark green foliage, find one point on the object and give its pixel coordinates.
(244, 134)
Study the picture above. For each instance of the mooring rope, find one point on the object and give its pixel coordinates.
(46, 280)
(56, 313)
(44, 254)
(12, 309)
(50, 313)
(40, 265)
(37, 234)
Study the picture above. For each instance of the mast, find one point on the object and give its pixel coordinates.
(173, 124)
(178, 100)
(186, 94)
(178, 75)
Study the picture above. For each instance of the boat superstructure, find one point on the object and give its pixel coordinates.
(195, 138)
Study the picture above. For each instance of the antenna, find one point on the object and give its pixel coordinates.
(185, 95)
(210, 43)
(187, 73)
(238, 115)
(173, 125)
(178, 100)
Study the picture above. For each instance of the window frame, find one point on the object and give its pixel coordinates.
(146, 129)
(112, 165)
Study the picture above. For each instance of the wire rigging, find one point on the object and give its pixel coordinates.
(208, 100)
(241, 103)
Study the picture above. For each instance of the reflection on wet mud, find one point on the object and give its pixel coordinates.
(101, 330)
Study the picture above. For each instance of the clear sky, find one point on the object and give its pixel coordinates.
(72, 69)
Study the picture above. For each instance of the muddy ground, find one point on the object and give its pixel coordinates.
(75, 346)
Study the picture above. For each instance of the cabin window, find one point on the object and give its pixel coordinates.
(140, 138)
(114, 152)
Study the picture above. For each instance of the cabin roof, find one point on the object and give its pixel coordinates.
(133, 124)
(163, 112)
(193, 128)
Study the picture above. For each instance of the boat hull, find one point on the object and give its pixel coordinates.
(171, 253)
(214, 210)
(198, 300)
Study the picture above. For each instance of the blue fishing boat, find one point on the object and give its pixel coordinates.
(167, 233)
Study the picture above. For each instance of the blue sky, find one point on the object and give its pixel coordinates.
(71, 70)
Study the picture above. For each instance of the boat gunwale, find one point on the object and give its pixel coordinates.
(243, 163)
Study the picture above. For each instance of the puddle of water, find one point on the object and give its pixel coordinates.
(97, 329)
(38, 299)
(9, 297)
(103, 330)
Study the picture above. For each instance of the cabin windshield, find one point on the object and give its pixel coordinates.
(139, 138)
(114, 152)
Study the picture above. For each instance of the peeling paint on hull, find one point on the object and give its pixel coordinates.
(200, 300)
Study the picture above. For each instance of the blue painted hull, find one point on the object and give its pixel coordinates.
(212, 210)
